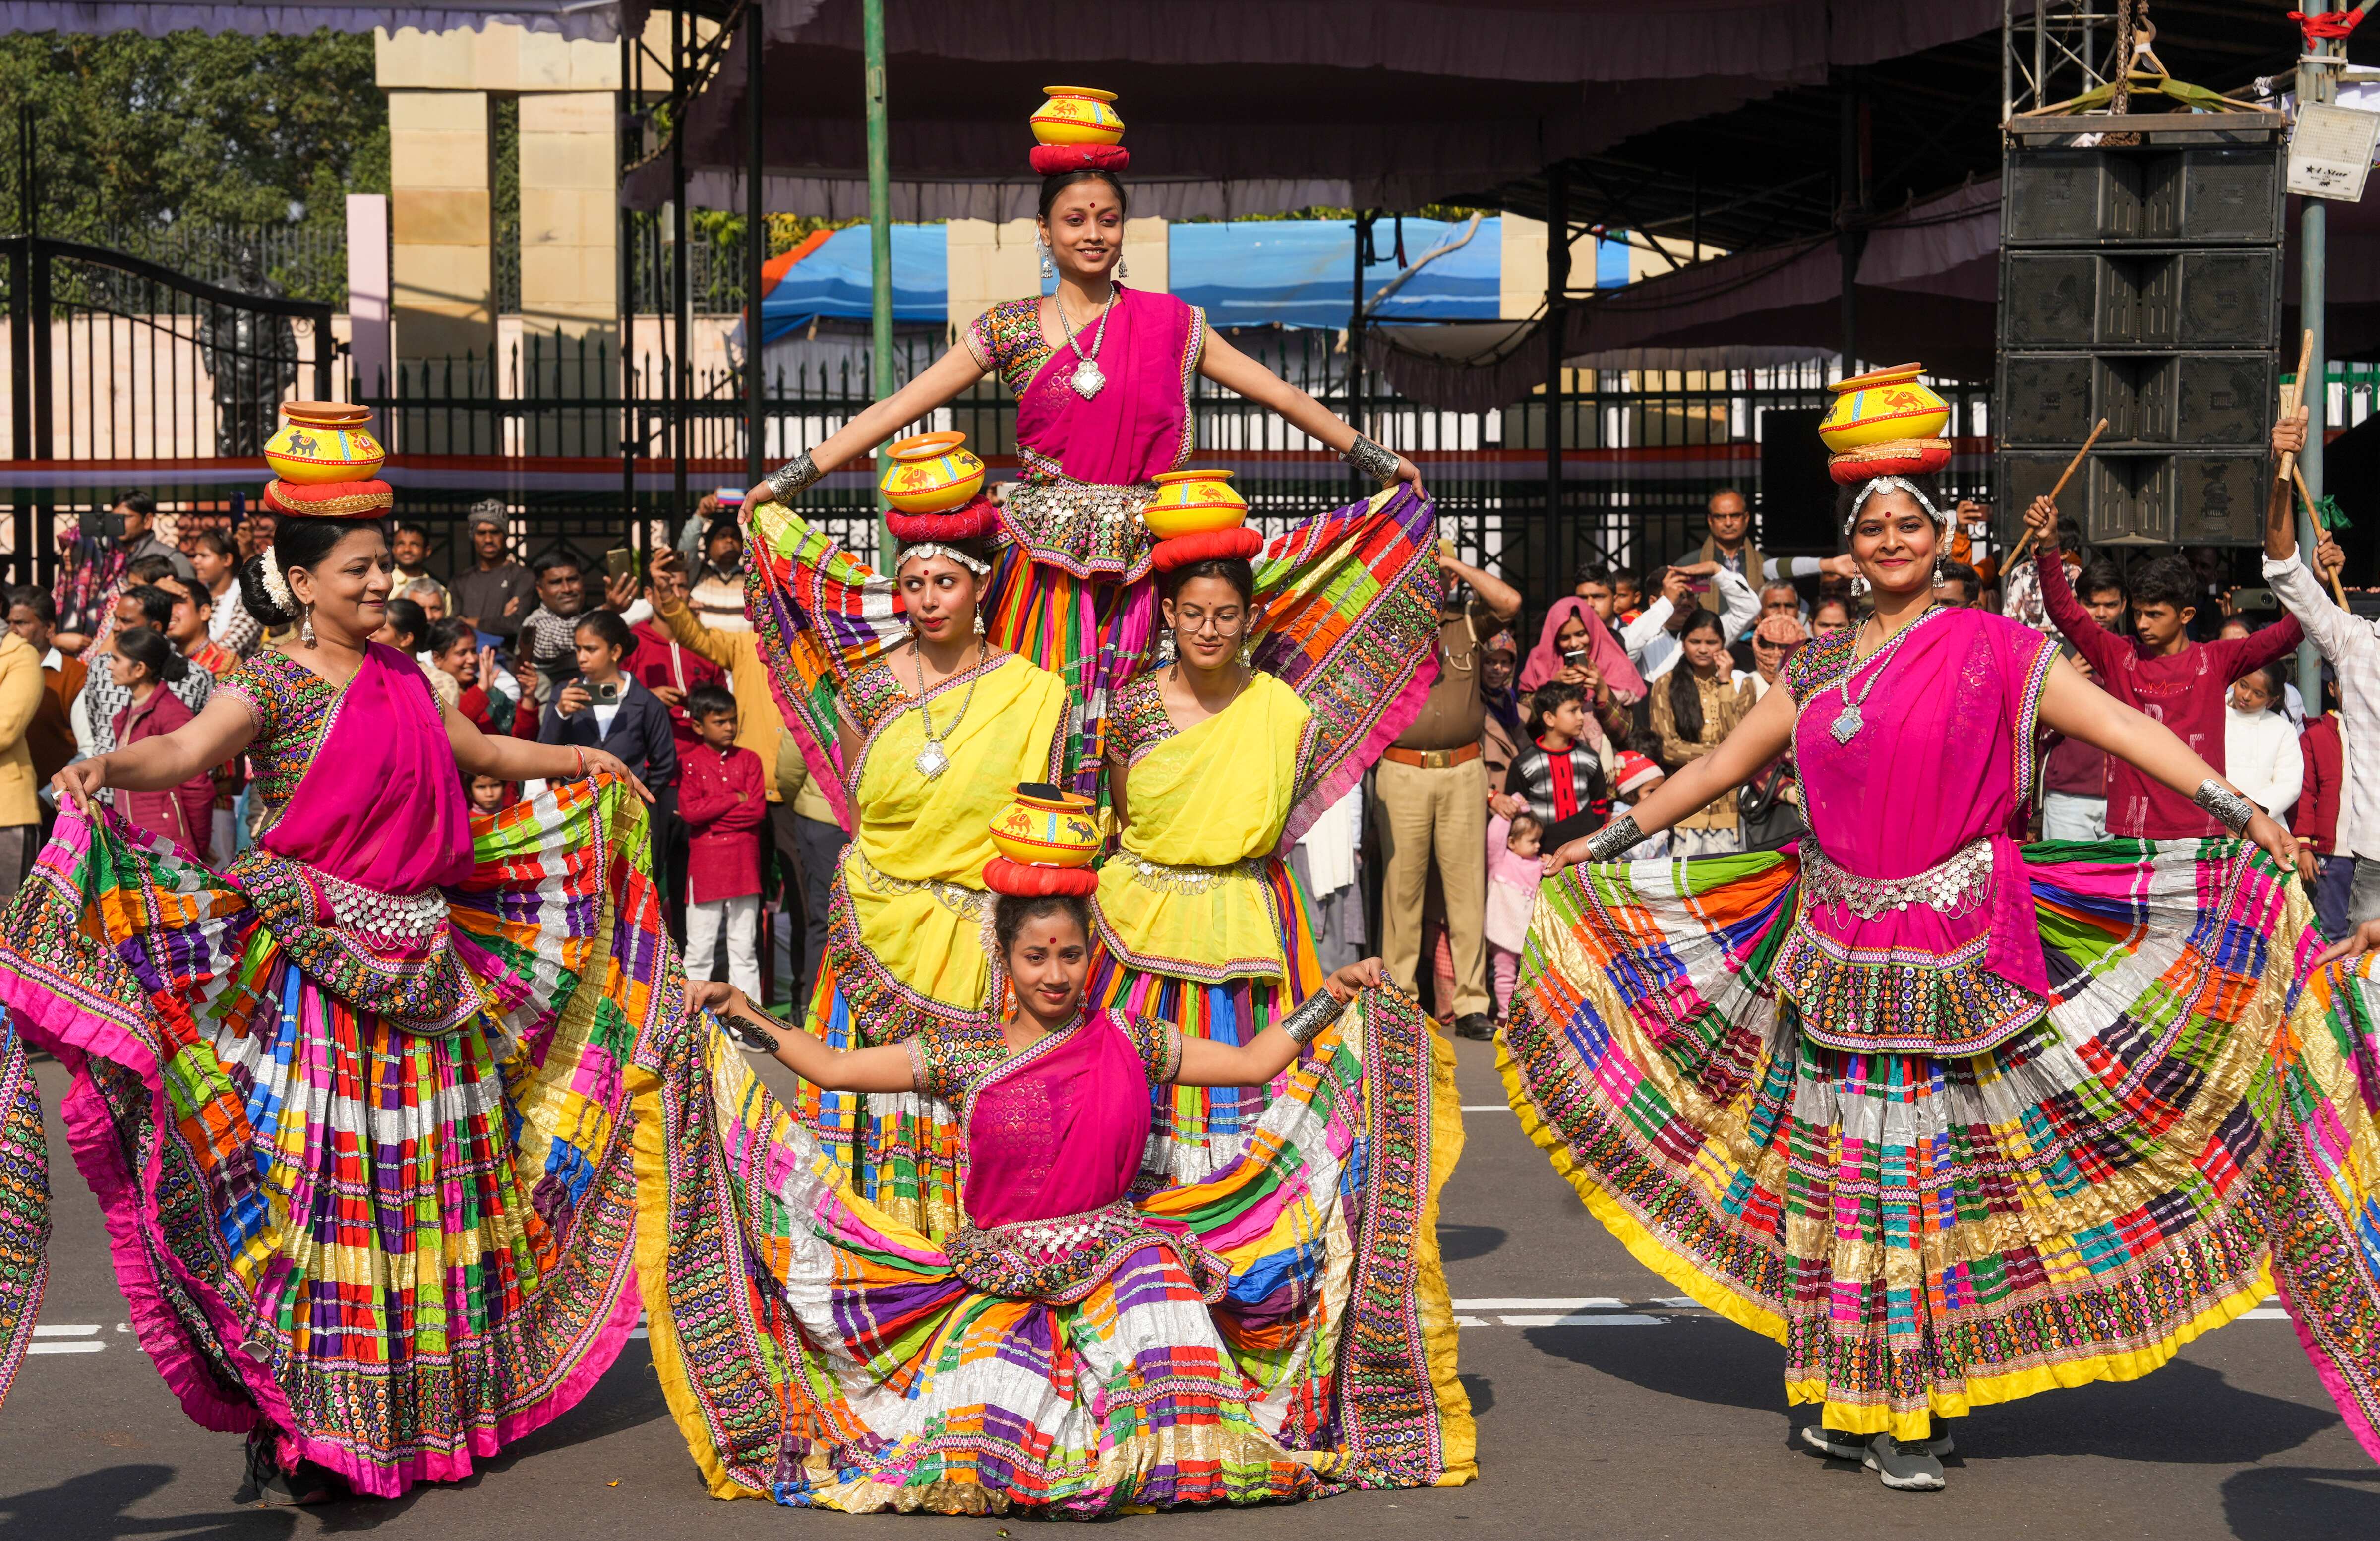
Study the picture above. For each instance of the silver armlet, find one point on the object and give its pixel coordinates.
(2228, 807)
(1614, 838)
(1370, 459)
(1318, 1011)
(790, 478)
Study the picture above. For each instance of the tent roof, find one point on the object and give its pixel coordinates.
(1238, 106)
(598, 19)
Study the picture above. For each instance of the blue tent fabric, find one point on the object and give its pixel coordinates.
(1300, 272)
(834, 281)
(1246, 273)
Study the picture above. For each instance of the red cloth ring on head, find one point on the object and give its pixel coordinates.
(1051, 159)
(978, 516)
(1021, 880)
(1207, 546)
(329, 499)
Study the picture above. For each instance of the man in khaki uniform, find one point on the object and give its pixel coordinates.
(1429, 797)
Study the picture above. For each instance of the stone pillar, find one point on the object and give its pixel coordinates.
(367, 293)
(570, 169)
(440, 228)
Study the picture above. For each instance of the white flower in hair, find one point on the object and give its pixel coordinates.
(276, 582)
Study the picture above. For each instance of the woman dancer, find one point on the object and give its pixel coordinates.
(1101, 375)
(1072, 1350)
(932, 728)
(358, 1108)
(1198, 919)
(1954, 1125)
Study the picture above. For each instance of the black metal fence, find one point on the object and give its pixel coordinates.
(1644, 450)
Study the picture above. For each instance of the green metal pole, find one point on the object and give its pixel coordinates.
(2316, 83)
(879, 221)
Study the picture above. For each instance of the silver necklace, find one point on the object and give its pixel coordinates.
(1087, 379)
(933, 759)
(1848, 721)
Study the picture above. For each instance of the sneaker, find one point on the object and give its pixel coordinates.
(1904, 1468)
(1473, 1024)
(1835, 1442)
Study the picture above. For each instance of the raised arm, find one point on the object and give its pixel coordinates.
(1206, 1062)
(1502, 600)
(2079, 709)
(1235, 371)
(885, 1067)
(1763, 735)
(937, 387)
(196, 748)
(2104, 650)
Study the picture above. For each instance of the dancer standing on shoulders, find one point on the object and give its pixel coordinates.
(1101, 375)
(1891, 1101)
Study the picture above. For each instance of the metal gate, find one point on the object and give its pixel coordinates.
(167, 380)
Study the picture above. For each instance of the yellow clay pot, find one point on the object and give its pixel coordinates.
(1881, 407)
(1190, 502)
(1061, 831)
(323, 441)
(931, 474)
(1076, 115)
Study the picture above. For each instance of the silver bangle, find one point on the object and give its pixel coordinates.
(1614, 838)
(1318, 1011)
(2232, 810)
(790, 478)
(1370, 459)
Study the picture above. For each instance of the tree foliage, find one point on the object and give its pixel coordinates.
(133, 132)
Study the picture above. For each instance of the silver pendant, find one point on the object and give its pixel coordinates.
(1089, 382)
(1846, 723)
(932, 761)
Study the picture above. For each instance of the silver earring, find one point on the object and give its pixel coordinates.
(1123, 270)
(1048, 266)
(306, 625)
(979, 623)
(1247, 649)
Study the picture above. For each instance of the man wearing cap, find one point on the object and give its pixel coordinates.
(498, 591)
(1430, 801)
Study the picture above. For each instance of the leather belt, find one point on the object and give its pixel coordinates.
(1431, 759)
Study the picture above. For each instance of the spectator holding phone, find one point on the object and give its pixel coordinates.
(602, 707)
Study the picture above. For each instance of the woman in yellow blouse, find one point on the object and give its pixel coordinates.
(920, 730)
(1695, 707)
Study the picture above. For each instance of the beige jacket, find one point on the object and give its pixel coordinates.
(1724, 704)
(20, 697)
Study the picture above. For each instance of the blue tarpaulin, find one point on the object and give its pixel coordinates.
(1301, 272)
(834, 281)
(1248, 273)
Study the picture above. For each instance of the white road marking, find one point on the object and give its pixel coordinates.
(1587, 1318)
(1583, 1302)
(2265, 1314)
(66, 1331)
(1487, 1108)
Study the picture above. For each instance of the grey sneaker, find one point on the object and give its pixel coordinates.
(1905, 1468)
(1835, 1442)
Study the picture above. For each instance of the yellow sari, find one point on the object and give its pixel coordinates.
(1198, 921)
(907, 930)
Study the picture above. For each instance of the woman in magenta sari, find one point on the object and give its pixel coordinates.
(1956, 1121)
(1091, 1340)
(358, 1108)
(1102, 372)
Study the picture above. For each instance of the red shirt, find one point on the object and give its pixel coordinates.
(659, 663)
(2315, 818)
(2187, 691)
(723, 800)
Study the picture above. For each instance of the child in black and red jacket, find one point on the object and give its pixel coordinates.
(1561, 774)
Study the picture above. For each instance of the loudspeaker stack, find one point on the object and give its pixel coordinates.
(2142, 283)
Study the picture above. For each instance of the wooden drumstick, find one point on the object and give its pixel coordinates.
(2313, 516)
(2066, 475)
(2293, 398)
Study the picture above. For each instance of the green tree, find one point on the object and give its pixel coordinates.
(134, 131)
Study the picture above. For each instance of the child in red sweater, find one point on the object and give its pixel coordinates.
(2183, 684)
(723, 800)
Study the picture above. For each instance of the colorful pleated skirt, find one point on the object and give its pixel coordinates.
(863, 1373)
(1924, 1234)
(1199, 1129)
(396, 1253)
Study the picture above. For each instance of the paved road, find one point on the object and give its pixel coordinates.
(1604, 1411)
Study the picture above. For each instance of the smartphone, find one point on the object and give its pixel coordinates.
(2254, 599)
(603, 695)
(619, 561)
(1577, 657)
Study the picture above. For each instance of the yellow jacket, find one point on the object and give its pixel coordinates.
(1724, 703)
(758, 725)
(20, 697)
